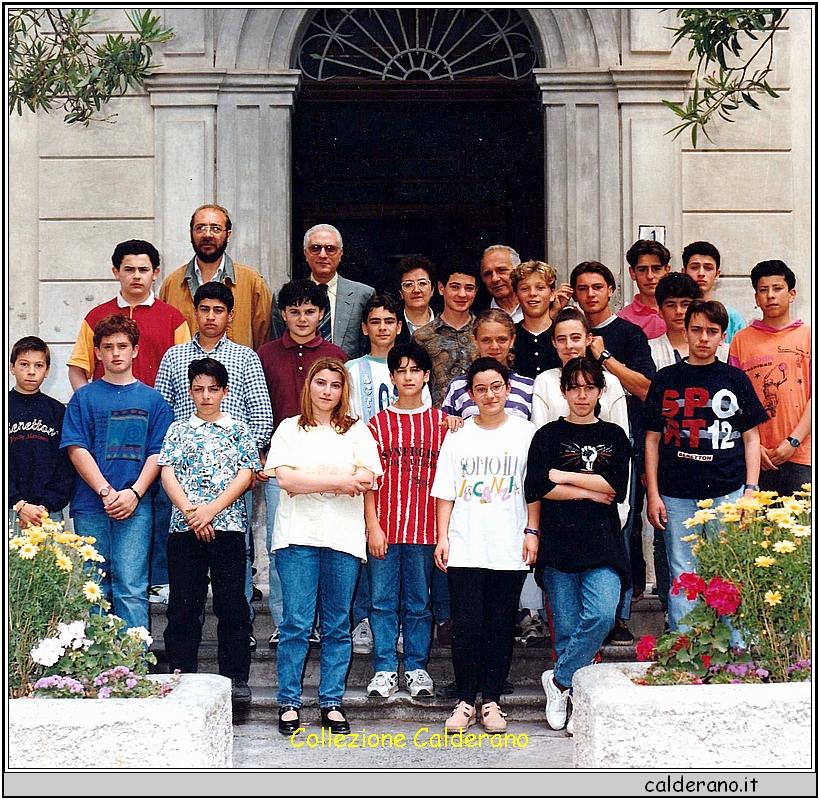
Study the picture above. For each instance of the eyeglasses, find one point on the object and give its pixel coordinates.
(330, 249)
(217, 229)
(495, 388)
(422, 283)
(582, 387)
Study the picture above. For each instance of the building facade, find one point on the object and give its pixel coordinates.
(240, 114)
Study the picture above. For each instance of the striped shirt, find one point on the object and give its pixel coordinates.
(409, 442)
(247, 400)
(519, 403)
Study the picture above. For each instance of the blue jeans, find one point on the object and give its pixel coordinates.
(161, 508)
(307, 574)
(125, 545)
(407, 569)
(361, 598)
(583, 612)
(272, 492)
(679, 554)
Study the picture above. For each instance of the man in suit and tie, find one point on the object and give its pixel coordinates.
(341, 323)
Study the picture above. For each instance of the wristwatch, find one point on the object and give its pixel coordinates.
(751, 487)
(792, 441)
(604, 356)
(105, 491)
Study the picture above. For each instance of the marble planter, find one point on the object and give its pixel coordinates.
(619, 724)
(190, 728)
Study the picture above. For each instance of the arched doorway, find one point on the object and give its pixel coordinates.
(418, 131)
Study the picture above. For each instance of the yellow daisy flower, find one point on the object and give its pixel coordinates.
(705, 503)
(773, 598)
(784, 546)
(92, 591)
(690, 538)
(806, 487)
(89, 553)
(801, 530)
(765, 561)
(64, 562)
(17, 542)
(765, 544)
(28, 551)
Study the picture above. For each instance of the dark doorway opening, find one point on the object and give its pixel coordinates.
(431, 177)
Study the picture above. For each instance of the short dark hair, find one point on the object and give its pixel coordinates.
(30, 344)
(595, 267)
(699, 249)
(135, 247)
(461, 263)
(214, 207)
(409, 263)
(647, 247)
(484, 364)
(297, 293)
(209, 367)
(713, 310)
(392, 305)
(116, 323)
(412, 351)
(583, 365)
(676, 284)
(763, 269)
(214, 290)
(568, 314)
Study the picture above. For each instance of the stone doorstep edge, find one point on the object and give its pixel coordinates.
(191, 727)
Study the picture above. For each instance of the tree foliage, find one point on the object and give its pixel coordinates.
(54, 62)
(726, 77)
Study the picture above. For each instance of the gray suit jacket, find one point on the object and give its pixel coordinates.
(351, 298)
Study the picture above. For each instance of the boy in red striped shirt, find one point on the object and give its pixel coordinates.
(401, 526)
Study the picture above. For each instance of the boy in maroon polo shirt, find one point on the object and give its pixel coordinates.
(285, 362)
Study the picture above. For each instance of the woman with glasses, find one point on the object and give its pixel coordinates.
(578, 467)
(416, 276)
(324, 461)
(487, 539)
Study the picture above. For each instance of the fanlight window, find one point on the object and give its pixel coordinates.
(416, 44)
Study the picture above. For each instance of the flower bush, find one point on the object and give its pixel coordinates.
(753, 586)
(61, 644)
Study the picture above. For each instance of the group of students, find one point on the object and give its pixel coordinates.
(504, 474)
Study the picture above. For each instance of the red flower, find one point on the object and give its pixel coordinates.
(722, 595)
(691, 584)
(645, 648)
(706, 660)
(681, 644)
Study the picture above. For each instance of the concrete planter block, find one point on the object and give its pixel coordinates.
(190, 728)
(728, 726)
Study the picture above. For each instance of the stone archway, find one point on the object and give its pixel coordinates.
(225, 132)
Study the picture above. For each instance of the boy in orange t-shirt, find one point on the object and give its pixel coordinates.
(775, 354)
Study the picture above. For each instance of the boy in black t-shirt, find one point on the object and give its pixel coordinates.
(40, 476)
(702, 439)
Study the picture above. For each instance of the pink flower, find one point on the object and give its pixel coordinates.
(722, 595)
(691, 584)
(645, 648)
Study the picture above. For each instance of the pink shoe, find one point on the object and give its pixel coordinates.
(493, 718)
(462, 717)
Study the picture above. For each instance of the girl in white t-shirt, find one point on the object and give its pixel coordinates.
(324, 462)
(487, 540)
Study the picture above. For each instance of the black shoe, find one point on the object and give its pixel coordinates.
(256, 594)
(288, 726)
(335, 725)
(507, 687)
(253, 642)
(444, 634)
(447, 691)
(620, 635)
(240, 692)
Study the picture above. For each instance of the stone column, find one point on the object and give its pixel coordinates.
(582, 155)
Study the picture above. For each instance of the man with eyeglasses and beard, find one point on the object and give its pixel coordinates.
(210, 233)
(341, 323)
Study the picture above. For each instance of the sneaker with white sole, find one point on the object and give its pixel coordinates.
(493, 718)
(463, 717)
(159, 593)
(383, 684)
(419, 683)
(362, 638)
(556, 708)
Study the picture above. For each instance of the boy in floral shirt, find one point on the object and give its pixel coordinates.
(207, 464)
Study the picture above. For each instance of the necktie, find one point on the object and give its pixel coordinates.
(326, 325)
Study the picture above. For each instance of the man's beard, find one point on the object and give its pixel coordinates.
(210, 258)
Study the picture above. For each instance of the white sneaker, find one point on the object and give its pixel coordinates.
(556, 708)
(159, 593)
(419, 683)
(383, 684)
(362, 638)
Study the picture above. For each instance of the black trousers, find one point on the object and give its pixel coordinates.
(484, 604)
(189, 561)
